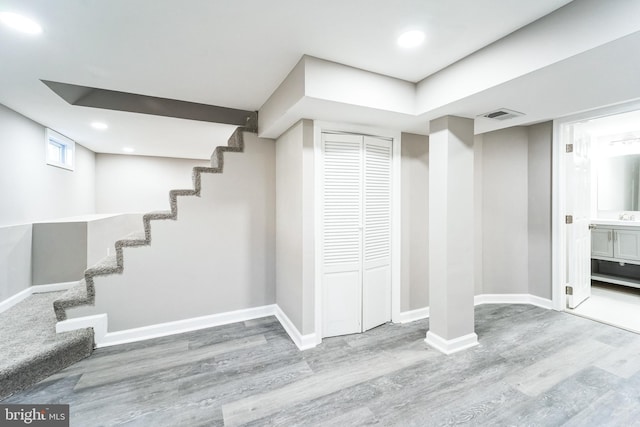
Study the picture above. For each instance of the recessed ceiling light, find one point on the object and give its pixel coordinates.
(20, 23)
(99, 125)
(128, 150)
(411, 39)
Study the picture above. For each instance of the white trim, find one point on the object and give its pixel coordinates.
(53, 287)
(512, 299)
(423, 313)
(69, 148)
(37, 289)
(396, 227)
(413, 315)
(559, 196)
(303, 342)
(396, 221)
(317, 237)
(106, 339)
(451, 346)
(558, 229)
(98, 322)
(103, 338)
(15, 299)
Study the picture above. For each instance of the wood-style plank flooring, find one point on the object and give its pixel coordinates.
(532, 367)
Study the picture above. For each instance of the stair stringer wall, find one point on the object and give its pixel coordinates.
(218, 256)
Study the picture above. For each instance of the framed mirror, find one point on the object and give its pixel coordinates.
(619, 183)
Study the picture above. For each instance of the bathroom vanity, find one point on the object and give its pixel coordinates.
(615, 252)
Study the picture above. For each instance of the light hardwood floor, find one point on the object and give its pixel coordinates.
(532, 367)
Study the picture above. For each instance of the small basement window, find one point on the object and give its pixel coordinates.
(60, 150)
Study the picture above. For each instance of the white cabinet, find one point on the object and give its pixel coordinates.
(615, 251)
(601, 243)
(626, 244)
(615, 244)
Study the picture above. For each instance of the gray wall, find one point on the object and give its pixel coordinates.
(289, 223)
(15, 260)
(217, 257)
(62, 250)
(59, 252)
(32, 190)
(539, 167)
(140, 183)
(478, 211)
(295, 222)
(515, 210)
(415, 224)
(505, 261)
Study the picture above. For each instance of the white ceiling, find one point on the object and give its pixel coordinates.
(228, 53)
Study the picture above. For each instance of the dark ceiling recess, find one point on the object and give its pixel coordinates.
(122, 101)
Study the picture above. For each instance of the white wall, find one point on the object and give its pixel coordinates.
(217, 257)
(415, 225)
(505, 211)
(103, 232)
(31, 190)
(140, 183)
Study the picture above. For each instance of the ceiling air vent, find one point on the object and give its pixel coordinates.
(502, 114)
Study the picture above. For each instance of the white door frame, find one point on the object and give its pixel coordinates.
(559, 198)
(318, 128)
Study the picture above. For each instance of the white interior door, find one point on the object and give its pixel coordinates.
(342, 234)
(579, 206)
(376, 286)
(356, 232)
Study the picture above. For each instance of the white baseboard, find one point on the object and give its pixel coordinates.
(37, 289)
(53, 287)
(103, 338)
(304, 342)
(423, 313)
(15, 299)
(106, 339)
(451, 346)
(513, 299)
(413, 315)
(98, 322)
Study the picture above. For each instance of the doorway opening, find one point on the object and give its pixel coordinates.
(596, 230)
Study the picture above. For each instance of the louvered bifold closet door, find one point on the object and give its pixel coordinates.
(342, 234)
(376, 287)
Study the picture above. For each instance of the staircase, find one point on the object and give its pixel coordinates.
(37, 363)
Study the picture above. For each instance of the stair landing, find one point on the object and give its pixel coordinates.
(30, 349)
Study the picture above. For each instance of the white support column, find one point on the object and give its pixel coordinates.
(451, 242)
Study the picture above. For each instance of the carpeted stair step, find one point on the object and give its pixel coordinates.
(30, 349)
(235, 144)
(137, 238)
(107, 265)
(155, 216)
(75, 296)
(173, 198)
